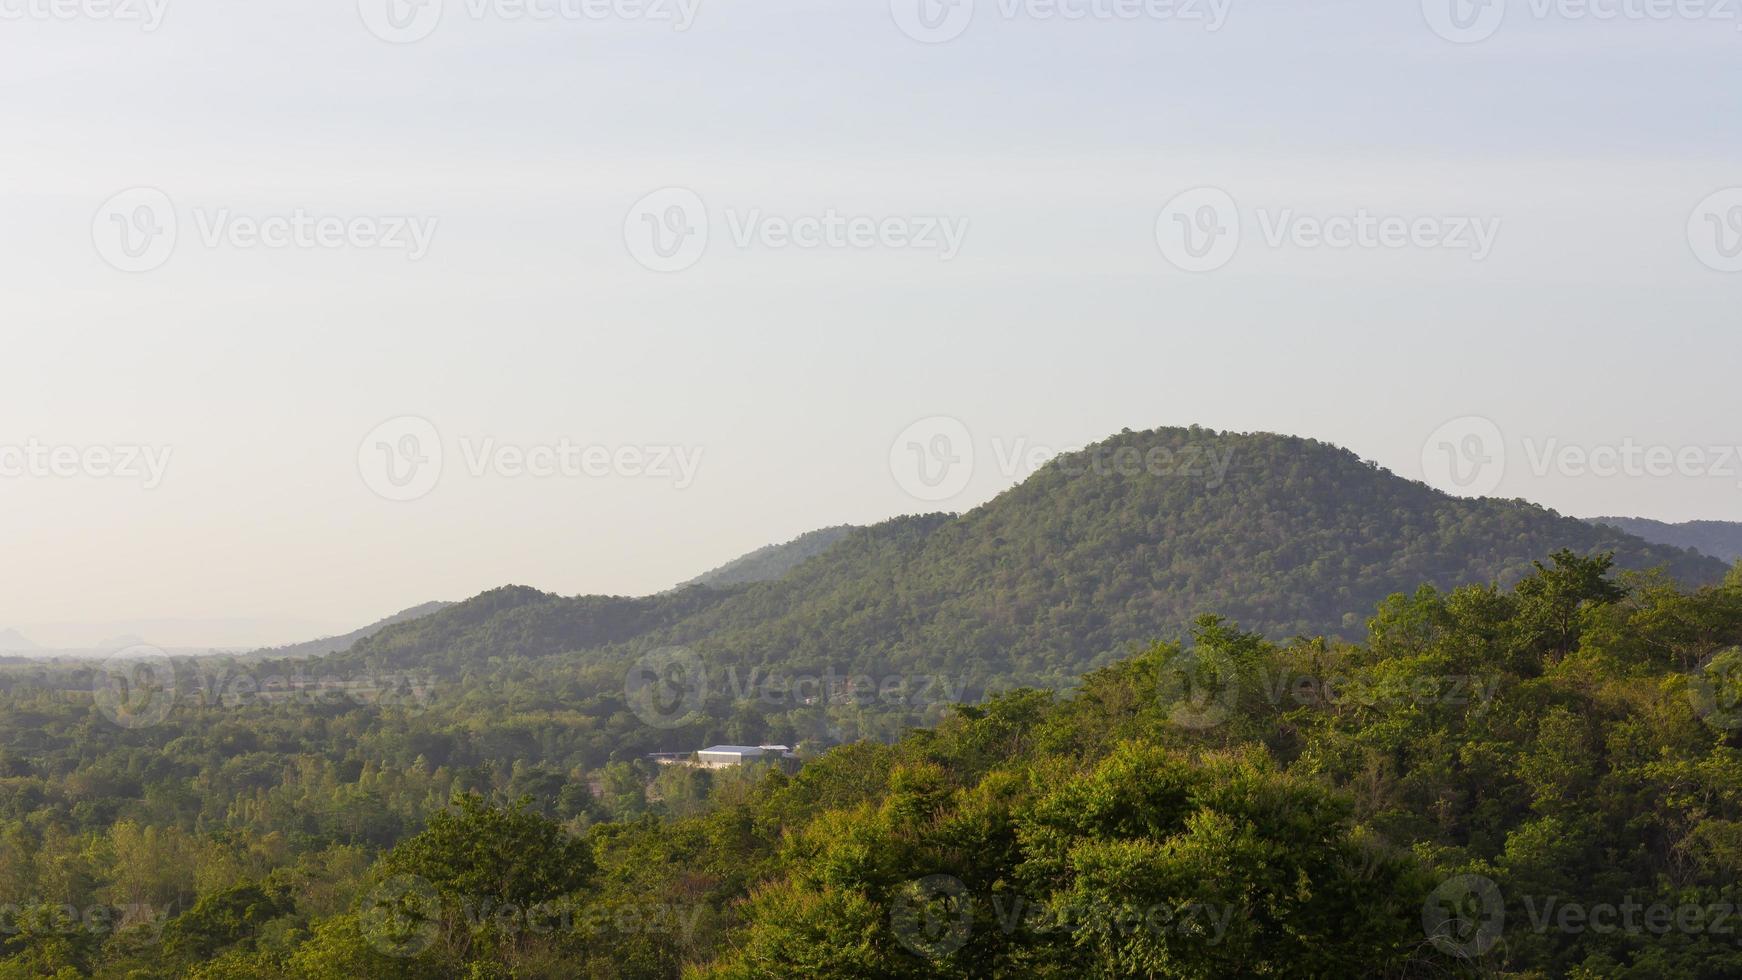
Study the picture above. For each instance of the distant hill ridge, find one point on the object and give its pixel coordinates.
(1719, 539)
(1067, 570)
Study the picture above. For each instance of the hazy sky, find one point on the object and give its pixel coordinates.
(469, 228)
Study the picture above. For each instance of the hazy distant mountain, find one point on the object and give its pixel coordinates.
(1098, 550)
(1720, 539)
(338, 644)
(12, 641)
(773, 561)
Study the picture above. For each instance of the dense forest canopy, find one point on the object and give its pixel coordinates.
(1535, 780)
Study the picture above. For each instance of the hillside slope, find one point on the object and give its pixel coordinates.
(773, 561)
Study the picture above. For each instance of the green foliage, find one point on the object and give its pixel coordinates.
(224, 919)
(493, 855)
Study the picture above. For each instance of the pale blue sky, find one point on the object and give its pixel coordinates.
(1592, 322)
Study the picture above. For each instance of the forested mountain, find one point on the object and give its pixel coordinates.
(1719, 539)
(773, 561)
(1119, 544)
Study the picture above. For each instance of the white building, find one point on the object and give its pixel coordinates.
(727, 756)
